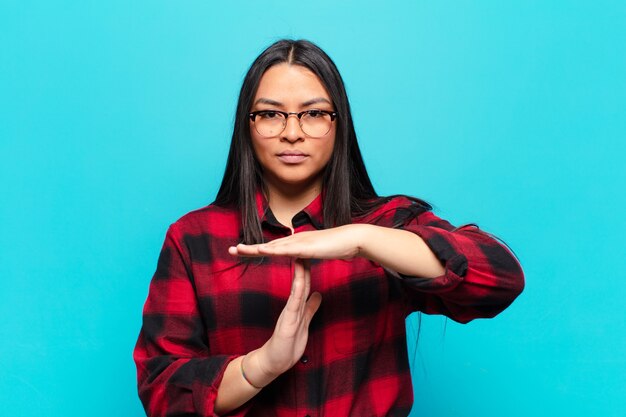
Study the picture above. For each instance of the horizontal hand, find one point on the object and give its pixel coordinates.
(342, 242)
(398, 250)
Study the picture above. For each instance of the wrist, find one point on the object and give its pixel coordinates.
(362, 234)
(246, 375)
(258, 369)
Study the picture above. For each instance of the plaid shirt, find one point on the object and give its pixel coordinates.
(205, 308)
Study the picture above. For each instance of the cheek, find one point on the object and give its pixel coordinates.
(255, 140)
(329, 148)
(258, 147)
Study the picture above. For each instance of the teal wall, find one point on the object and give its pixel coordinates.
(115, 120)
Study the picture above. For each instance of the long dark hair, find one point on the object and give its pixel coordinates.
(348, 191)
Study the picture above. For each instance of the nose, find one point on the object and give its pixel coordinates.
(292, 132)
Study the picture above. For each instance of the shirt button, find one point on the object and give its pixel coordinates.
(304, 359)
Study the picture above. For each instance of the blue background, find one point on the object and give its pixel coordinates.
(115, 120)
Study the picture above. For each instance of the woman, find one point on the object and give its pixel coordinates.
(287, 296)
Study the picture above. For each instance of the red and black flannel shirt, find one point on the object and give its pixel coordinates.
(205, 307)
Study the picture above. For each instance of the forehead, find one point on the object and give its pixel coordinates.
(290, 83)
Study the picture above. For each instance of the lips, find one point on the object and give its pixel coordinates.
(292, 157)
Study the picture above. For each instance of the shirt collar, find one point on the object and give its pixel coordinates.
(313, 213)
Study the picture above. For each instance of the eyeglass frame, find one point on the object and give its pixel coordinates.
(254, 114)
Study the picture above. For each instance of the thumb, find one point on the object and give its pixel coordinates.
(312, 304)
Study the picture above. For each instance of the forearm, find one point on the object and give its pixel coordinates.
(399, 250)
(234, 390)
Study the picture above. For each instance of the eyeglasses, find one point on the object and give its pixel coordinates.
(314, 123)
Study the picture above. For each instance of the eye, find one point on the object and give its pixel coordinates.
(269, 115)
(315, 114)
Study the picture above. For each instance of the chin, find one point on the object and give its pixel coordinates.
(296, 181)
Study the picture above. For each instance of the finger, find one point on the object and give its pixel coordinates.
(312, 305)
(295, 250)
(245, 250)
(294, 245)
(262, 250)
(296, 299)
(298, 271)
(274, 244)
(307, 277)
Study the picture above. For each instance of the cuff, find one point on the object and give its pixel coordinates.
(209, 374)
(443, 244)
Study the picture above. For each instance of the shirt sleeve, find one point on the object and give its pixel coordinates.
(175, 373)
(482, 277)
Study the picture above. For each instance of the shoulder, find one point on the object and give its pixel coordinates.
(211, 219)
(394, 210)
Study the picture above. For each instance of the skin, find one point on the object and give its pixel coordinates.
(292, 187)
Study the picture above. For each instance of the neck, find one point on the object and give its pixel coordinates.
(286, 200)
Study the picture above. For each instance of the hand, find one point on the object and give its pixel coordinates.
(336, 243)
(283, 349)
(291, 333)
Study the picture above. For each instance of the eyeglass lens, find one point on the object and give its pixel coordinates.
(314, 124)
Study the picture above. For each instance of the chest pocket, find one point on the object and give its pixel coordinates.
(358, 312)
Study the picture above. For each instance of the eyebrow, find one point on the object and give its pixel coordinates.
(271, 102)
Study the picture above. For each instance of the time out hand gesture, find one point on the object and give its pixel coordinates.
(291, 333)
(337, 243)
(398, 250)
